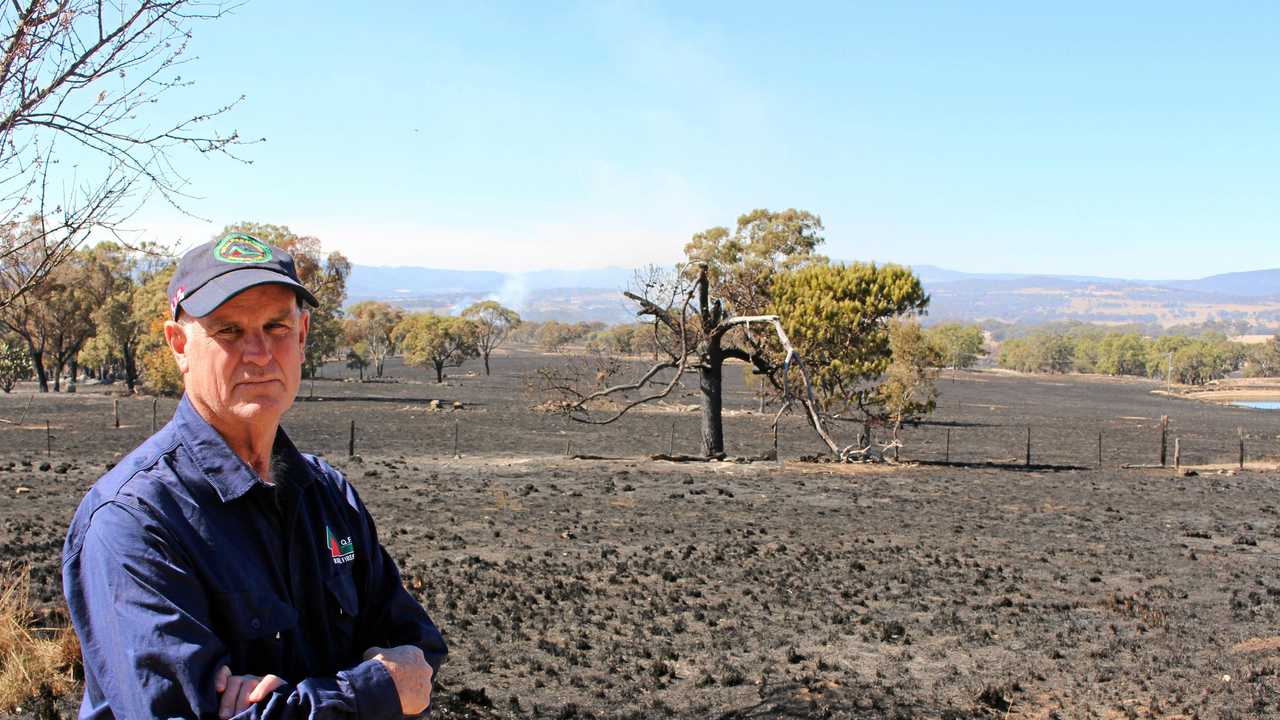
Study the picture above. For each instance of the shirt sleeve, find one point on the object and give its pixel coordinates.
(146, 635)
(389, 616)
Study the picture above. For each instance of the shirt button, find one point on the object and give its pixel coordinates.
(255, 624)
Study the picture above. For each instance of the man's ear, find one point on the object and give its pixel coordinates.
(303, 329)
(176, 337)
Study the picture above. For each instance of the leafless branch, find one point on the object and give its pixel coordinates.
(78, 79)
(578, 409)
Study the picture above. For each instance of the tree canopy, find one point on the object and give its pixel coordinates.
(909, 388)
(960, 345)
(493, 324)
(838, 317)
(369, 329)
(438, 341)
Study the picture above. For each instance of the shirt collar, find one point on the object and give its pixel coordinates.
(224, 470)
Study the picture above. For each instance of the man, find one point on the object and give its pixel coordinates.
(218, 571)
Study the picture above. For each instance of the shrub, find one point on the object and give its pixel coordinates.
(31, 660)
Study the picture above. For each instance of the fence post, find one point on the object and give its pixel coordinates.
(351, 441)
(115, 412)
(1177, 454)
(1164, 439)
(947, 457)
(48, 439)
(1099, 449)
(671, 447)
(1240, 433)
(153, 413)
(1028, 446)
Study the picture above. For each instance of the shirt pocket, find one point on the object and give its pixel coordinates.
(254, 615)
(253, 625)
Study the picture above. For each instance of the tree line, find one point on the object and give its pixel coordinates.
(1185, 359)
(100, 314)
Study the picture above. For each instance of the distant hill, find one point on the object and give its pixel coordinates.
(595, 295)
(935, 274)
(1255, 283)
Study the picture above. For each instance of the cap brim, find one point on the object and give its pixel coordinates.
(226, 286)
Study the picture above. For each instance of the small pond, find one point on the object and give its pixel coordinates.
(1259, 404)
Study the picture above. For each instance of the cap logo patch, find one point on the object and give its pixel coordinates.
(241, 248)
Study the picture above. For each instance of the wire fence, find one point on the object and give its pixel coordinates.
(1089, 447)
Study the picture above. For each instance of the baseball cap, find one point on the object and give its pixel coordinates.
(212, 273)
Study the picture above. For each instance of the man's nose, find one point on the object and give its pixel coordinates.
(256, 348)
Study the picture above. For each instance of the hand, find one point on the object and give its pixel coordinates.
(241, 691)
(411, 673)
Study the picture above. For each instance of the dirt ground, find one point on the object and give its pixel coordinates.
(637, 588)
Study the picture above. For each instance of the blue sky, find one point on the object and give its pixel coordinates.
(1135, 141)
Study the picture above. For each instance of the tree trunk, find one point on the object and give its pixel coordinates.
(130, 370)
(439, 372)
(57, 378)
(486, 362)
(709, 382)
(71, 377)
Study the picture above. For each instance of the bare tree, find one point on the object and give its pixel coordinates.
(81, 148)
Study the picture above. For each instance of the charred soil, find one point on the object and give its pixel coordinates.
(639, 588)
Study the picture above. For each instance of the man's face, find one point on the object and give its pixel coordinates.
(242, 363)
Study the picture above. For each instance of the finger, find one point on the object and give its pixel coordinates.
(267, 685)
(227, 706)
(246, 688)
(220, 681)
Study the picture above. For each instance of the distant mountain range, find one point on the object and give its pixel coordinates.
(1250, 284)
(1242, 297)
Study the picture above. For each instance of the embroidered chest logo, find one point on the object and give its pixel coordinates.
(241, 248)
(341, 551)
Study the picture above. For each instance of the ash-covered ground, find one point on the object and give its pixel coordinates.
(638, 588)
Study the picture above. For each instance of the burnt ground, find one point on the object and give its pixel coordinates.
(638, 588)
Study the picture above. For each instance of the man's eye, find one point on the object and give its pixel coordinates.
(229, 331)
(277, 327)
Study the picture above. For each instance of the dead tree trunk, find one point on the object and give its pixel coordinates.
(710, 383)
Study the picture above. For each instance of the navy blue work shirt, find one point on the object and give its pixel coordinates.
(180, 560)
